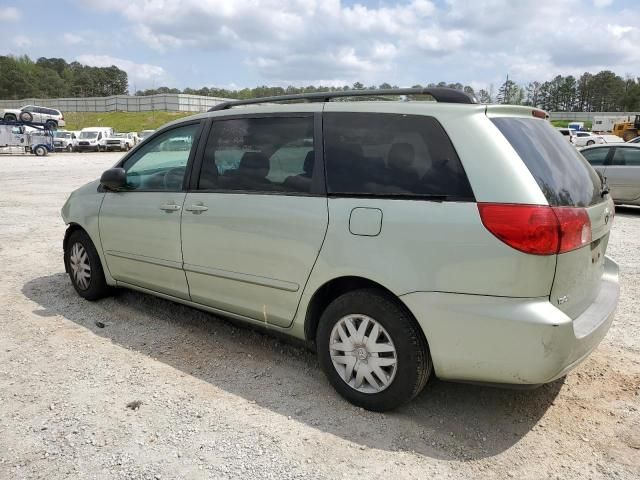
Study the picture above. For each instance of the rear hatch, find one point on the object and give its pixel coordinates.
(571, 187)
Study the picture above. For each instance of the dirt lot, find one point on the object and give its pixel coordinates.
(219, 401)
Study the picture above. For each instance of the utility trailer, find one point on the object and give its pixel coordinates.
(29, 137)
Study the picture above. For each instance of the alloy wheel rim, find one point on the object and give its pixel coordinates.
(80, 266)
(363, 353)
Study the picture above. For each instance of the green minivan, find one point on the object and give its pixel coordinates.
(399, 238)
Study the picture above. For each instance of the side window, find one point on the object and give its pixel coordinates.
(28, 108)
(596, 156)
(391, 154)
(161, 163)
(626, 156)
(272, 154)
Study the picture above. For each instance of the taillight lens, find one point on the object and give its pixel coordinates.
(537, 229)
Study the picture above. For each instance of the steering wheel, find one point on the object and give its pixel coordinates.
(173, 176)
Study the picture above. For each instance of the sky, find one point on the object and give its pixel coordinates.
(246, 43)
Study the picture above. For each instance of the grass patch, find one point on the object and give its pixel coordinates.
(121, 121)
(565, 123)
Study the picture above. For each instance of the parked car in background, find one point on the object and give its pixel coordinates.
(620, 165)
(135, 137)
(64, 141)
(634, 140)
(93, 139)
(587, 138)
(608, 138)
(570, 133)
(319, 220)
(32, 113)
(145, 133)
(120, 141)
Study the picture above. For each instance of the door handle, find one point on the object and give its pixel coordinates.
(197, 208)
(170, 207)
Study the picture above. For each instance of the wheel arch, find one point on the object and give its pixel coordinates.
(335, 287)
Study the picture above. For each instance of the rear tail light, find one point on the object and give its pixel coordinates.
(537, 229)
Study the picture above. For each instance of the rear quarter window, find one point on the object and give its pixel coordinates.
(562, 173)
(382, 154)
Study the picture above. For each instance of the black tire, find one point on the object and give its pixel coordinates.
(69, 148)
(97, 285)
(590, 142)
(51, 125)
(412, 352)
(10, 117)
(26, 117)
(40, 151)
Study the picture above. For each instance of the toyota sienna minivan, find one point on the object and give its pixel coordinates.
(400, 239)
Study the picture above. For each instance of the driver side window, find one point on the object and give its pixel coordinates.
(161, 164)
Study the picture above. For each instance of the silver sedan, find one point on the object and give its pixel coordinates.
(620, 164)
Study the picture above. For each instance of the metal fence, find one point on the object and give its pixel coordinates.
(122, 103)
(172, 102)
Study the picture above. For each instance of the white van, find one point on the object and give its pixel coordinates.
(93, 138)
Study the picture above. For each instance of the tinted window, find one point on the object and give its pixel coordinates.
(161, 163)
(273, 154)
(564, 176)
(626, 156)
(596, 156)
(391, 154)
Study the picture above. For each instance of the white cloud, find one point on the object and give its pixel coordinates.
(140, 74)
(403, 42)
(72, 39)
(21, 41)
(602, 3)
(9, 14)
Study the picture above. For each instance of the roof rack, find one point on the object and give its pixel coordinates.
(440, 94)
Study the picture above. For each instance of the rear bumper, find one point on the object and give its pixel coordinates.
(511, 340)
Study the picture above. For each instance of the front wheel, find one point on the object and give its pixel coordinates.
(83, 265)
(40, 151)
(372, 350)
(590, 142)
(69, 148)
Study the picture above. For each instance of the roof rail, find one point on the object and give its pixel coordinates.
(440, 94)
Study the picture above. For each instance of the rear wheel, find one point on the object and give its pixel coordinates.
(590, 142)
(69, 148)
(10, 117)
(51, 125)
(372, 350)
(26, 117)
(83, 265)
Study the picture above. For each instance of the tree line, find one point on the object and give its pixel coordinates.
(601, 92)
(21, 77)
(605, 91)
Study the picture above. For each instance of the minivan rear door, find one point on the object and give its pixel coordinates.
(568, 182)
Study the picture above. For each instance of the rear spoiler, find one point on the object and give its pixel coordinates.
(515, 111)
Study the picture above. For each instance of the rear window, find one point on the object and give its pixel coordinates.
(391, 155)
(564, 176)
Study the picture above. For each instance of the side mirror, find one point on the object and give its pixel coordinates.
(114, 179)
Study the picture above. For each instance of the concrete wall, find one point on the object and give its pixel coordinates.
(122, 103)
(588, 116)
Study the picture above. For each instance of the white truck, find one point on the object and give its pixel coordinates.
(93, 139)
(27, 139)
(64, 141)
(121, 141)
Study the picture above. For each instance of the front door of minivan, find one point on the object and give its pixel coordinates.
(140, 227)
(256, 217)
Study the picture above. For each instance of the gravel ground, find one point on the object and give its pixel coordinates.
(165, 391)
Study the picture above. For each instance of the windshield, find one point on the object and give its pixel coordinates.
(89, 135)
(118, 135)
(62, 135)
